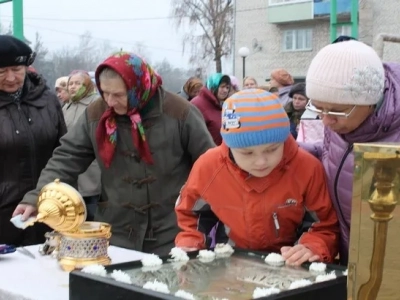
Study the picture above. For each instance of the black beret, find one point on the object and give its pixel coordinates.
(14, 52)
(298, 88)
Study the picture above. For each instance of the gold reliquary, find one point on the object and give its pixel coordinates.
(374, 264)
(77, 243)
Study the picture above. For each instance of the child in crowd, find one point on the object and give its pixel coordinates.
(264, 192)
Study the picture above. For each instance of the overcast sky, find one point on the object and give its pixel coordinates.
(122, 22)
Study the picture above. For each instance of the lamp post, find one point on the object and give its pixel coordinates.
(244, 52)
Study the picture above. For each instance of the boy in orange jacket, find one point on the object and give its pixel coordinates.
(263, 191)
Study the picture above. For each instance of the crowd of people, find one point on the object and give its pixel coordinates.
(217, 162)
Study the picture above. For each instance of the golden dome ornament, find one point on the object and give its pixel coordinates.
(81, 243)
(61, 207)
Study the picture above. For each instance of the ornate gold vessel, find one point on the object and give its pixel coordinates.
(61, 207)
(374, 268)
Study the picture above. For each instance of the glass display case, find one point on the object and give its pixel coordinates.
(234, 277)
(374, 267)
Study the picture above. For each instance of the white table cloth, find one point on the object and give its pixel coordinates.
(24, 278)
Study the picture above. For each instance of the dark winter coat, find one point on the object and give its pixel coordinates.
(30, 130)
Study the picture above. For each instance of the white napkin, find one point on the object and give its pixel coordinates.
(21, 224)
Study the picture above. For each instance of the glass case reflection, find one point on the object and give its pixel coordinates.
(374, 270)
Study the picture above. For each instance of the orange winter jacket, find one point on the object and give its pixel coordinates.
(291, 205)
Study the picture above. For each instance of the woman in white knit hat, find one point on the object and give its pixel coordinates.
(358, 98)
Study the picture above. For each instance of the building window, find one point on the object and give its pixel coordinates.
(343, 30)
(297, 40)
(280, 2)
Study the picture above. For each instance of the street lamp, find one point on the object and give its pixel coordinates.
(244, 52)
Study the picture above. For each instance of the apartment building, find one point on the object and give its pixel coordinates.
(288, 33)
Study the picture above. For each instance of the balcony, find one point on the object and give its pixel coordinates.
(286, 11)
(323, 7)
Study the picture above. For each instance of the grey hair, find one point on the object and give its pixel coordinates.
(108, 73)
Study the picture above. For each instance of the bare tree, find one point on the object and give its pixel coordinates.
(141, 49)
(173, 78)
(39, 48)
(214, 19)
(4, 30)
(86, 51)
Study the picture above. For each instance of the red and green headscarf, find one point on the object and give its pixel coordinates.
(142, 83)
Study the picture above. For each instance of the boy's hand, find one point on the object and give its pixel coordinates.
(298, 254)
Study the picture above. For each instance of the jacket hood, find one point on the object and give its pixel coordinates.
(386, 119)
(208, 96)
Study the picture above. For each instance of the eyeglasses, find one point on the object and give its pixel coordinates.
(320, 112)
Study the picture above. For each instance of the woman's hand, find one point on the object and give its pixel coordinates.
(25, 210)
(298, 254)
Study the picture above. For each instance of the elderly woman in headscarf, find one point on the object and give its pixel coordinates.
(62, 90)
(145, 140)
(191, 88)
(31, 124)
(210, 100)
(281, 79)
(82, 93)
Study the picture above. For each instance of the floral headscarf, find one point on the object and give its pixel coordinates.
(142, 83)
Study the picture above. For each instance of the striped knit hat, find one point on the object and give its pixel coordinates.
(253, 117)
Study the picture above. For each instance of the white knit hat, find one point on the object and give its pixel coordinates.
(346, 73)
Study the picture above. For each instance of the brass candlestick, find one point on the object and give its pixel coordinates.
(382, 204)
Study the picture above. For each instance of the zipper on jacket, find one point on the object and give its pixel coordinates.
(336, 182)
(276, 223)
(31, 144)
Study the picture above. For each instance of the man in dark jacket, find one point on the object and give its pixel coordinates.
(31, 124)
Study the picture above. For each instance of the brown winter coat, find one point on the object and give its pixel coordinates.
(137, 199)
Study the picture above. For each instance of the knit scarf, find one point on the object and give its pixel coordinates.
(142, 83)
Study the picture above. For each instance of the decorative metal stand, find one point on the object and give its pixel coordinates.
(382, 203)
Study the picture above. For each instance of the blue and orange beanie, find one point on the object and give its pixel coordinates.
(253, 117)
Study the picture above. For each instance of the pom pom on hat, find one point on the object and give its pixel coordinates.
(348, 73)
(253, 117)
(14, 52)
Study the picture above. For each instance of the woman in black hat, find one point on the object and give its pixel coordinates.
(296, 107)
(31, 124)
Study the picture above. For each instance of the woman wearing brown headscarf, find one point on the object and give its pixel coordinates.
(191, 88)
(82, 93)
